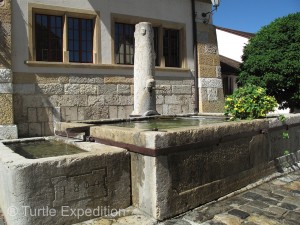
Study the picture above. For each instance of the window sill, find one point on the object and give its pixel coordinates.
(97, 66)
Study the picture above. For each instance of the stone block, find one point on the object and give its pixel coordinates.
(118, 80)
(188, 82)
(88, 89)
(164, 89)
(97, 100)
(118, 100)
(86, 79)
(169, 82)
(24, 88)
(165, 109)
(113, 112)
(211, 49)
(159, 109)
(124, 111)
(175, 109)
(209, 60)
(51, 78)
(6, 109)
(107, 89)
(47, 129)
(72, 89)
(160, 99)
(178, 99)
(50, 89)
(69, 100)
(32, 115)
(44, 114)
(8, 132)
(69, 113)
(6, 88)
(93, 113)
(210, 83)
(56, 112)
(123, 89)
(34, 129)
(23, 129)
(35, 101)
(5, 75)
(207, 71)
(212, 106)
(181, 89)
(24, 78)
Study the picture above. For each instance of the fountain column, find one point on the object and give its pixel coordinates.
(144, 71)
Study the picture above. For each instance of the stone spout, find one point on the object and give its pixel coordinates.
(144, 71)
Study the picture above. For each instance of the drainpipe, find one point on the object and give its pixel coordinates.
(196, 110)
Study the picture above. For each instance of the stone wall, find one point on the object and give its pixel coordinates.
(211, 97)
(42, 99)
(7, 129)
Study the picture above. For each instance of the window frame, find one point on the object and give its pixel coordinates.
(36, 8)
(161, 25)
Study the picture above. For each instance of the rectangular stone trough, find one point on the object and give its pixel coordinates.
(175, 170)
(63, 189)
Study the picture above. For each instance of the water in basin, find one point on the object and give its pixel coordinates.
(43, 149)
(169, 123)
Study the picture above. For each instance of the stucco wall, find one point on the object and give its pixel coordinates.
(231, 45)
(165, 10)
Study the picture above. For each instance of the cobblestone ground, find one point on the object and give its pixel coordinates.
(276, 202)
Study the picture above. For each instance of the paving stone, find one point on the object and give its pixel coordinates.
(252, 195)
(197, 216)
(236, 201)
(249, 223)
(138, 220)
(277, 211)
(293, 216)
(289, 222)
(175, 222)
(211, 222)
(295, 185)
(262, 220)
(269, 201)
(228, 219)
(292, 200)
(287, 206)
(251, 209)
(258, 204)
(239, 213)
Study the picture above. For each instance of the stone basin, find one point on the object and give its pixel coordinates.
(176, 169)
(98, 178)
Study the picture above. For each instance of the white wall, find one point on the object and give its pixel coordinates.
(231, 45)
(168, 10)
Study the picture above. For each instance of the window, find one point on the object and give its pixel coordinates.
(48, 30)
(171, 48)
(80, 40)
(124, 43)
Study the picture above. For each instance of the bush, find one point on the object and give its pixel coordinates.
(249, 102)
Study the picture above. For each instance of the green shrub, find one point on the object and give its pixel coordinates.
(249, 102)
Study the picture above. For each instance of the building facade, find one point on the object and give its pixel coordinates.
(73, 60)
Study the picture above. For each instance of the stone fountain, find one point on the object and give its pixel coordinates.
(144, 71)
